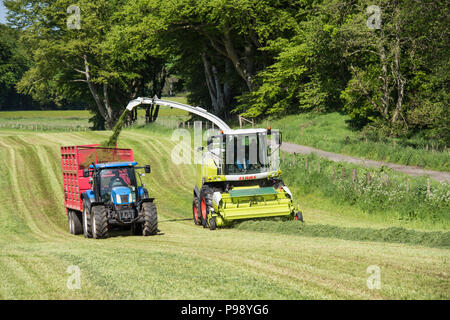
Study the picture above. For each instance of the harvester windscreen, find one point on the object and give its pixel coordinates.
(246, 154)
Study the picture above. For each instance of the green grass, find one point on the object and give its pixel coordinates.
(383, 197)
(185, 261)
(330, 132)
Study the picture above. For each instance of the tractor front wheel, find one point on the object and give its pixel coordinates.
(150, 226)
(99, 222)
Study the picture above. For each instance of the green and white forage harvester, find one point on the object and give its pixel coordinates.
(238, 174)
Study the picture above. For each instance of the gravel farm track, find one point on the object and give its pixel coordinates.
(184, 261)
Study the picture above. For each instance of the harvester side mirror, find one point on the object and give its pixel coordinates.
(85, 173)
(199, 149)
(147, 169)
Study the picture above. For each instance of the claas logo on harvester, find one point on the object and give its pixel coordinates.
(247, 178)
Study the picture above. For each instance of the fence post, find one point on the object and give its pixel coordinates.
(334, 173)
(428, 187)
(318, 167)
(343, 173)
(306, 163)
(368, 177)
(293, 159)
(407, 185)
(354, 175)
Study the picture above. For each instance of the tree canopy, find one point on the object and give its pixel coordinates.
(385, 65)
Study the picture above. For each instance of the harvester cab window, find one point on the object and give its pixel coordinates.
(246, 154)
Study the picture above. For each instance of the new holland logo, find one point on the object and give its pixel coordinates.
(247, 178)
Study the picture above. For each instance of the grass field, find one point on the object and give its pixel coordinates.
(187, 261)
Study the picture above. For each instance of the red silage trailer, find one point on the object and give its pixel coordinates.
(75, 159)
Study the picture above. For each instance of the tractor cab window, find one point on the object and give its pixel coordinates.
(116, 177)
(246, 154)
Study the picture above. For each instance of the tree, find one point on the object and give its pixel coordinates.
(93, 62)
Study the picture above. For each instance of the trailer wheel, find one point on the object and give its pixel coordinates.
(206, 196)
(150, 226)
(195, 211)
(299, 216)
(87, 231)
(75, 224)
(212, 223)
(99, 222)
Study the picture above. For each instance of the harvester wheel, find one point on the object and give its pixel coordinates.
(206, 196)
(212, 223)
(150, 226)
(87, 231)
(75, 224)
(195, 211)
(299, 216)
(99, 222)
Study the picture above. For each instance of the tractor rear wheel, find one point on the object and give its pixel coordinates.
(206, 195)
(196, 211)
(87, 230)
(75, 224)
(150, 226)
(99, 222)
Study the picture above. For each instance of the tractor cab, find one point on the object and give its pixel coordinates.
(116, 183)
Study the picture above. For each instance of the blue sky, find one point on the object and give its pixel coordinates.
(2, 13)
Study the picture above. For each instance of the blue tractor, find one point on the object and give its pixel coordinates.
(115, 200)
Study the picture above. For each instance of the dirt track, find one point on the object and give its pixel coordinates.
(410, 170)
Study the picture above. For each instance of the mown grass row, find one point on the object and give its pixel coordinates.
(435, 239)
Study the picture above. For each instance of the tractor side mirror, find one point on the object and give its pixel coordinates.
(85, 173)
(147, 169)
(199, 149)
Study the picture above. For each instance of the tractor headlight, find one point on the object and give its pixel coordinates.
(130, 198)
(118, 199)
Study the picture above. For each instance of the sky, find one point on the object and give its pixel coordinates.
(2, 13)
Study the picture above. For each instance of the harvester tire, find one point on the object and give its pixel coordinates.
(299, 216)
(196, 211)
(87, 230)
(75, 224)
(99, 222)
(212, 223)
(206, 196)
(150, 226)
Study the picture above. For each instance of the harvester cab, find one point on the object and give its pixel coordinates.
(240, 178)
